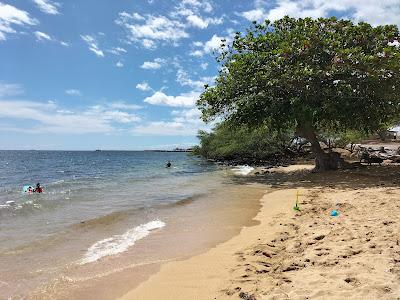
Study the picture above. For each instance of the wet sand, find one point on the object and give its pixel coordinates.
(301, 255)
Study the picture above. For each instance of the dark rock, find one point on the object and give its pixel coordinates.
(247, 296)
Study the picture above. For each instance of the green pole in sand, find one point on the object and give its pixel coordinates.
(296, 207)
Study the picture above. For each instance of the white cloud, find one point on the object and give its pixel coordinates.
(119, 64)
(195, 5)
(184, 122)
(182, 77)
(197, 53)
(212, 45)
(254, 15)
(73, 92)
(153, 65)
(117, 51)
(191, 116)
(197, 21)
(164, 128)
(204, 66)
(183, 100)
(9, 16)
(374, 12)
(117, 116)
(41, 36)
(151, 29)
(93, 45)
(9, 89)
(143, 86)
(149, 44)
(123, 105)
(48, 117)
(47, 6)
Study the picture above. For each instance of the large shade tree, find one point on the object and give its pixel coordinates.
(310, 76)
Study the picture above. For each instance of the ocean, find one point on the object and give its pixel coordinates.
(105, 214)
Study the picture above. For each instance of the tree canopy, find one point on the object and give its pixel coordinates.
(308, 75)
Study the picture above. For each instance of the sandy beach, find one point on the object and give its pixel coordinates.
(306, 254)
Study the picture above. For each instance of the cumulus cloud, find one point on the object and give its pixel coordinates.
(183, 100)
(254, 15)
(119, 64)
(10, 16)
(149, 30)
(210, 46)
(93, 45)
(201, 23)
(149, 44)
(47, 6)
(73, 92)
(153, 65)
(374, 12)
(143, 86)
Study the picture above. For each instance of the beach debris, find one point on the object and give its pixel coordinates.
(247, 296)
(319, 237)
(334, 213)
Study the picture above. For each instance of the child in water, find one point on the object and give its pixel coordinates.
(38, 189)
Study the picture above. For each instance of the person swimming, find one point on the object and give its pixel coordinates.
(38, 189)
(168, 165)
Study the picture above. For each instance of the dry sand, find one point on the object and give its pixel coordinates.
(301, 255)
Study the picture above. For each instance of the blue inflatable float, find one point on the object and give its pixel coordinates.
(26, 188)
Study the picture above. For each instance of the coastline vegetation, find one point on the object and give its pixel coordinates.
(243, 144)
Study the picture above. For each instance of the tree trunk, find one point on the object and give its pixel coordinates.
(351, 147)
(323, 161)
(382, 135)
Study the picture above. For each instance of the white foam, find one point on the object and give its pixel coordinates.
(119, 243)
(242, 170)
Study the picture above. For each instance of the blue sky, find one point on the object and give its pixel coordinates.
(125, 74)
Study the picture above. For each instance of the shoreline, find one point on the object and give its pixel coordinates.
(202, 276)
(300, 254)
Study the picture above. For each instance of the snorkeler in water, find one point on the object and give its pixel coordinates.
(168, 165)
